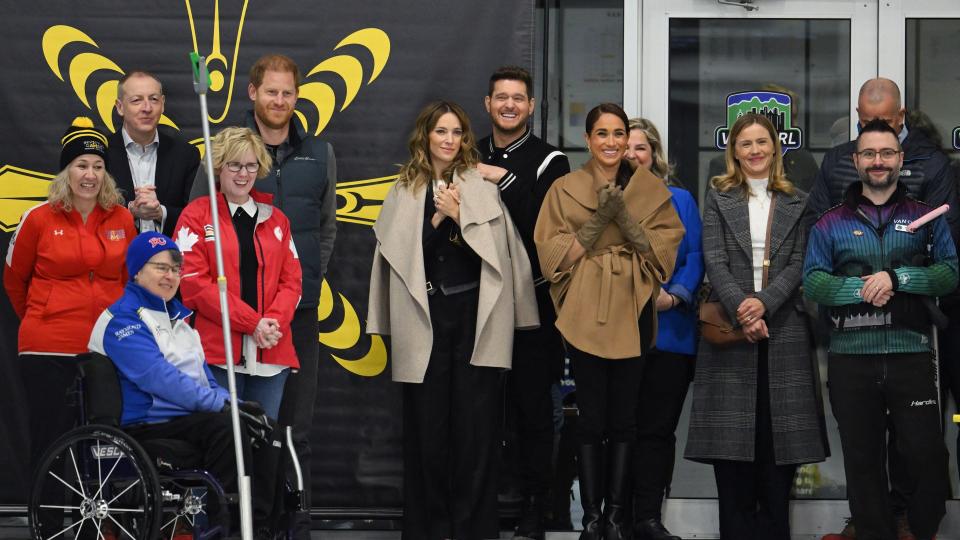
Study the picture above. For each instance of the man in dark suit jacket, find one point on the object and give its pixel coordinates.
(154, 171)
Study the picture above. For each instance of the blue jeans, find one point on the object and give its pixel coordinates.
(267, 391)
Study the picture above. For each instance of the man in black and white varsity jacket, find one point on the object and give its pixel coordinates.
(524, 167)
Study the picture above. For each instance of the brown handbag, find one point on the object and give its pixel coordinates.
(715, 326)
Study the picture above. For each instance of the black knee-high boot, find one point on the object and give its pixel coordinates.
(591, 490)
(614, 513)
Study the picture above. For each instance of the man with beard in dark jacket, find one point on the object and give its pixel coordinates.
(927, 176)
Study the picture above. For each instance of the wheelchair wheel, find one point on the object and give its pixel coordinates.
(184, 509)
(95, 483)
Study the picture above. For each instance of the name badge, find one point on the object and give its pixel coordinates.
(902, 228)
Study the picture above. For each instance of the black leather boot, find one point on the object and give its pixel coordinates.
(652, 529)
(591, 489)
(530, 524)
(615, 525)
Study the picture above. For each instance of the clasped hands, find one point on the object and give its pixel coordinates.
(611, 207)
(877, 288)
(610, 202)
(145, 205)
(447, 202)
(267, 333)
(750, 314)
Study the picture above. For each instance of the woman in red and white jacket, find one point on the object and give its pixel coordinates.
(64, 266)
(261, 266)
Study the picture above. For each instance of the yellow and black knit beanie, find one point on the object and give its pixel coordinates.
(82, 138)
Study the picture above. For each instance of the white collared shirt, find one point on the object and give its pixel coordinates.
(250, 207)
(143, 172)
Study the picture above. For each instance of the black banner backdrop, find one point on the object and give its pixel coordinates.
(368, 67)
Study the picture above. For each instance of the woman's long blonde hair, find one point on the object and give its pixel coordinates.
(418, 170)
(660, 166)
(60, 195)
(734, 177)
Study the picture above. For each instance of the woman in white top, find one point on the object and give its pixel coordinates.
(755, 415)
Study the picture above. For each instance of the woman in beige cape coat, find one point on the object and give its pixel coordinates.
(607, 239)
(445, 288)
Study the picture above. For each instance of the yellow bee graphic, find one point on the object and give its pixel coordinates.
(22, 189)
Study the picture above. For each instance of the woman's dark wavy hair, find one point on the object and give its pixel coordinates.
(624, 172)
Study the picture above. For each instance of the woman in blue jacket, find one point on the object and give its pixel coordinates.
(168, 390)
(668, 368)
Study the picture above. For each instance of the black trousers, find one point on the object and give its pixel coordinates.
(49, 383)
(451, 433)
(862, 391)
(299, 398)
(607, 394)
(950, 365)
(663, 389)
(212, 435)
(754, 497)
(537, 355)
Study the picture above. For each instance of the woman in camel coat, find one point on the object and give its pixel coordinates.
(607, 238)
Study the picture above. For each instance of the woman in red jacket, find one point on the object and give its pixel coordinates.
(261, 267)
(64, 266)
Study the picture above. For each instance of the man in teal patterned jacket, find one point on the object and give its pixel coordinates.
(878, 278)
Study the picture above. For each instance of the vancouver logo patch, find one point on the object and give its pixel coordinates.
(776, 106)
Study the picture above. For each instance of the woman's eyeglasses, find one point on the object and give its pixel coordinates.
(235, 166)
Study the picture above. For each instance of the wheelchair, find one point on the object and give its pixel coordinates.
(97, 482)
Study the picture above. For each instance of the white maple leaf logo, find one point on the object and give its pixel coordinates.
(186, 239)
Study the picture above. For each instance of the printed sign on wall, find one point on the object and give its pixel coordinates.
(776, 106)
(366, 71)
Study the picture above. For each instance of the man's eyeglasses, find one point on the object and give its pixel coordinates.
(886, 154)
(164, 268)
(235, 166)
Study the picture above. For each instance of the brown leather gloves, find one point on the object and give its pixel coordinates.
(632, 231)
(610, 207)
(609, 204)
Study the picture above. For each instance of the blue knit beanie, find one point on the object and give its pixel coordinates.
(145, 246)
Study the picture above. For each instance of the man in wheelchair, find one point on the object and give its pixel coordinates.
(167, 388)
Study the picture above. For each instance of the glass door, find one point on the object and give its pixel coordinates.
(919, 52)
(697, 53)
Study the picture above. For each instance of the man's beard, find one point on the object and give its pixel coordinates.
(517, 130)
(263, 114)
(893, 174)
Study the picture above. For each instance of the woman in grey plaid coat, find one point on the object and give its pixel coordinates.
(755, 410)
